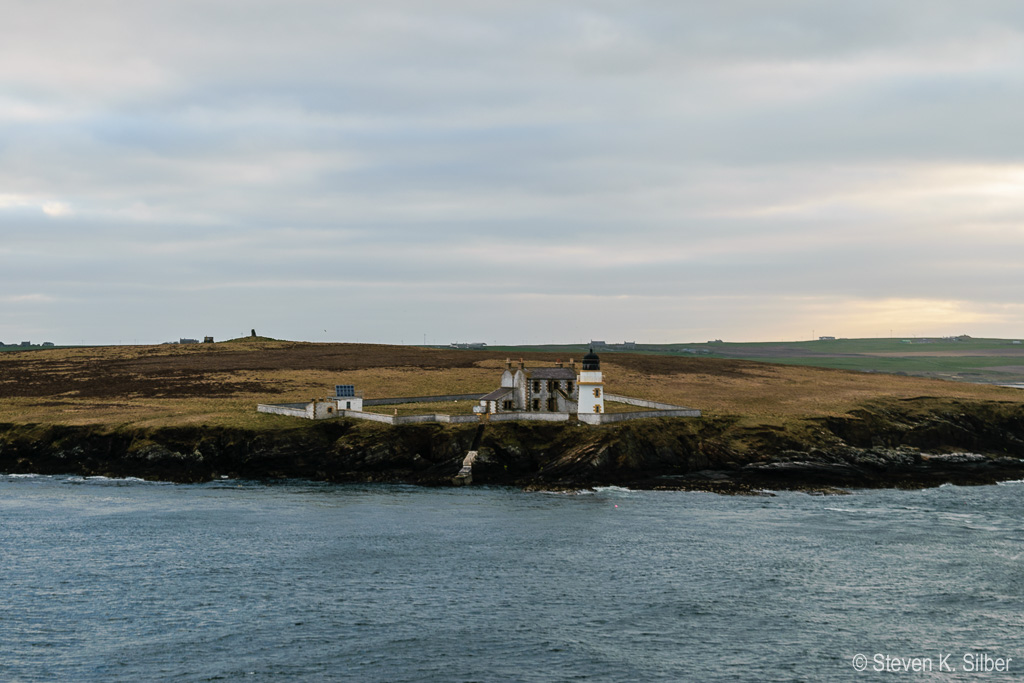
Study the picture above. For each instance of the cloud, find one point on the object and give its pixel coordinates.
(681, 170)
(27, 298)
(56, 209)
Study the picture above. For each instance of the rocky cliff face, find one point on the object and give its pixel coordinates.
(923, 442)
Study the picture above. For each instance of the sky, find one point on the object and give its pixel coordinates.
(511, 172)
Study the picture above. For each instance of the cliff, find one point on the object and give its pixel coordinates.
(895, 443)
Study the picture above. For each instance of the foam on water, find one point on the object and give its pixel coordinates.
(613, 490)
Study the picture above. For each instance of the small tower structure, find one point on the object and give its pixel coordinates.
(590, 385)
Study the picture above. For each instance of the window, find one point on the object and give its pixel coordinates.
(348, 405)
(597, 393)
(568, 387)
(597, 408)
(507, 405)
(330, 409)
(536, 404)
(536, 386)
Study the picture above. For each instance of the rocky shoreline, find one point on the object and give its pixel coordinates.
(907, 444)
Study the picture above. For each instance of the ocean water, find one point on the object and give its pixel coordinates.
(125, 580)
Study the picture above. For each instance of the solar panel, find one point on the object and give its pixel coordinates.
(344, 390)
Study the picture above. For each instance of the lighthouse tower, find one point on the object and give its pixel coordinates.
(591, 386)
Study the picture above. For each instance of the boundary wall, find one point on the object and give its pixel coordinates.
(608, 418)
(409, 419)
(324, 409)
(421, 399)
(535, 417)
(643, 403)
(314, 410)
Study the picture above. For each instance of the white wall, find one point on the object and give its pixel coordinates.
(587, 400)
(290, 409)
(350, 403)
(535, 417)
(643, 403)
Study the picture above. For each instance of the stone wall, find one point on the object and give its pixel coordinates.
(609, 418)
(421, 399)
(409, 419)
(537, 417)
(314, 410)
(643, 403)
(290, 409)
(306, 410)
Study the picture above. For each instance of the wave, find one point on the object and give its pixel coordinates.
(612, 489)
(110, 481)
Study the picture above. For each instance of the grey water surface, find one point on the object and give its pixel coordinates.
(125, 580)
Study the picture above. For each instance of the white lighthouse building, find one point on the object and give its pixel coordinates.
(590, 385)
(548, 390)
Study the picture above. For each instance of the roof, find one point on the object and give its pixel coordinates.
(496, 394)
(550, 373)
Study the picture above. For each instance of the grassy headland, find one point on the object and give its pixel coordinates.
(220, 384)
(188, 413)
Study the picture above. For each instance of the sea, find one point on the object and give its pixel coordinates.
(127, 580)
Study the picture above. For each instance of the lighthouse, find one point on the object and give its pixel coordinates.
(590, 386)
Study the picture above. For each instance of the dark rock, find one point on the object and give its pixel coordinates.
(914, 443)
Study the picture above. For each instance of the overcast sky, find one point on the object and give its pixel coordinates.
(510, 172)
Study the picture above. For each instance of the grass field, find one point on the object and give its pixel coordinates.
(995, 361)
(220, 384)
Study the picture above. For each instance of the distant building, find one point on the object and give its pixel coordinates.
(188, 341)
(28, 343)
(826, 338)
(468, 345)
(207, 340)
(44, 344)
(597, 343)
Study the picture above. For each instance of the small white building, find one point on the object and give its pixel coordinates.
(346, 397)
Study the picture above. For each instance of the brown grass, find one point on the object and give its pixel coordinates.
(220, 384)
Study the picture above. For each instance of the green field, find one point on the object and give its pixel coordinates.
(992, 361)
